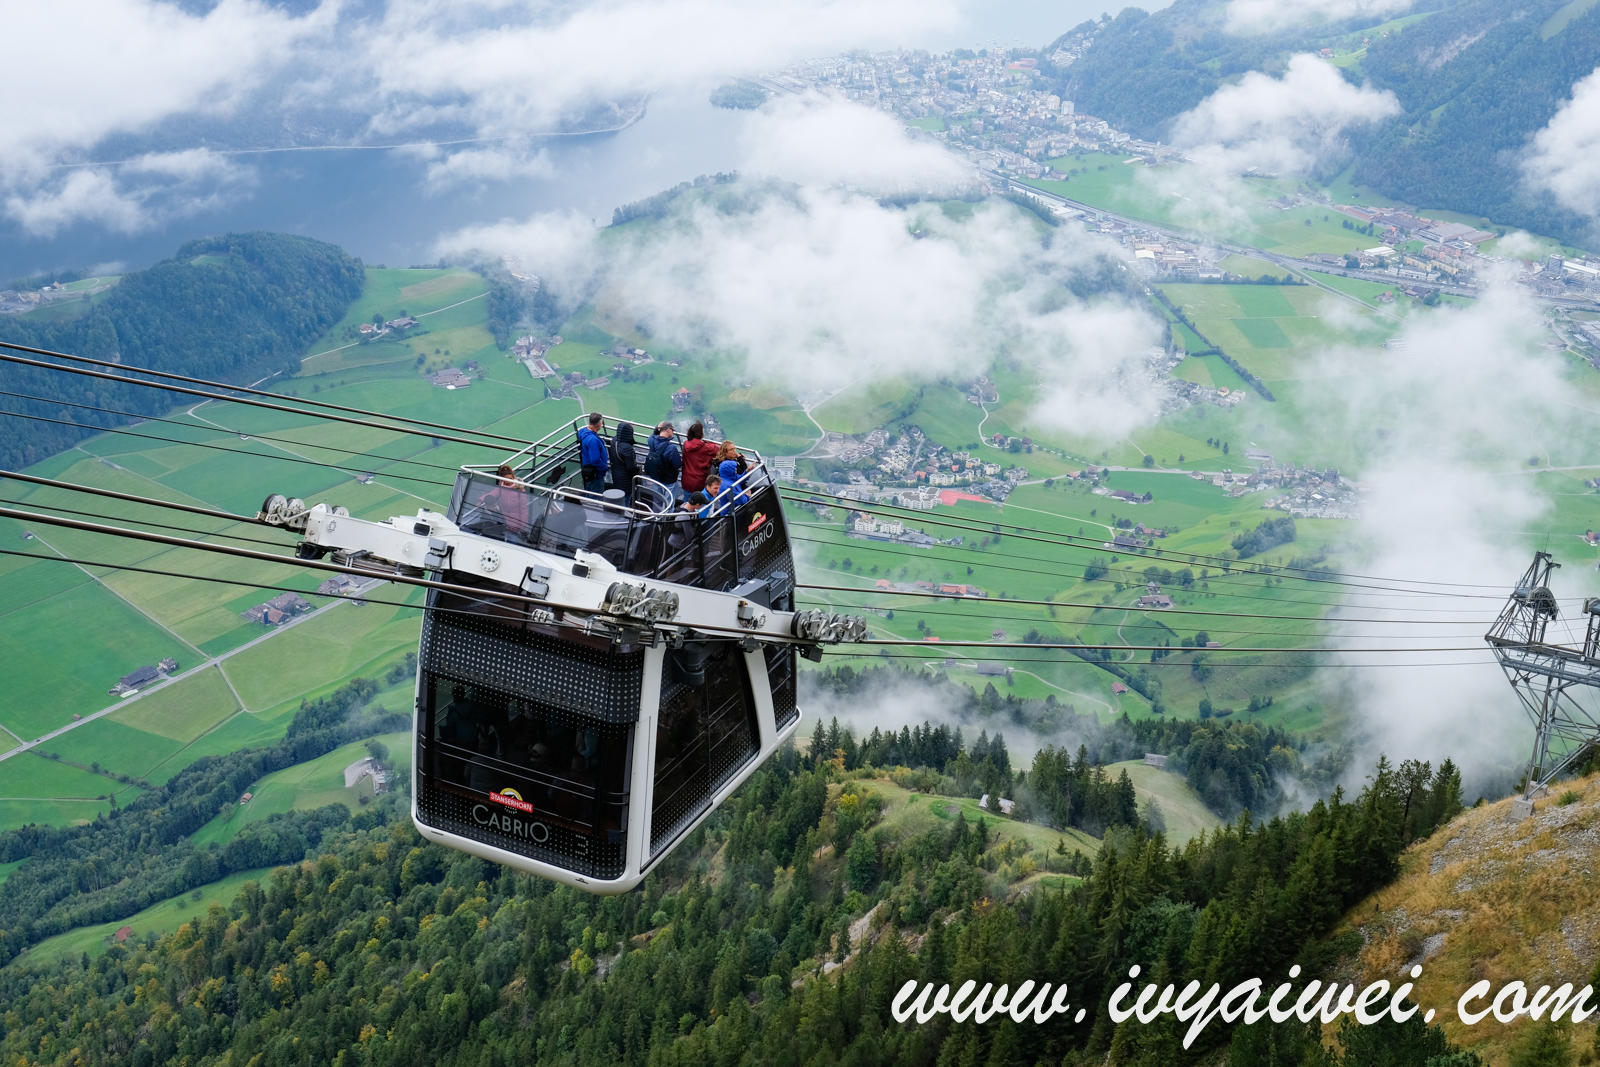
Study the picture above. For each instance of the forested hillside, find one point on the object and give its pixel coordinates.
(1476, 84)
(106, 870)
(233, 308)
(382, 949)
(1475, 81)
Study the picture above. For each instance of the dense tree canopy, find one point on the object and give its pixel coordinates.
(233, 308)
(380, 948)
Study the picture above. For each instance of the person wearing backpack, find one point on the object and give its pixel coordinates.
(665, 461)
(624, 459)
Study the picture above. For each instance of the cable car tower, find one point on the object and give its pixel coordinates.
(1556, 683)
(603, 669)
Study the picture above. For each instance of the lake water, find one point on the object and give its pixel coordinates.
(375, 203)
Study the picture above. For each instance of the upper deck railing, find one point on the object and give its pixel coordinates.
(545, 506)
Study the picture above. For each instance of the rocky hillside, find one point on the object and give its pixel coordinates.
(1489, 897)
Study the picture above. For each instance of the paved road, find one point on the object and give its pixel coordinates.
(212, 662)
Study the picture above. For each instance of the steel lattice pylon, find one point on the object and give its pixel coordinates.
(1550, 679)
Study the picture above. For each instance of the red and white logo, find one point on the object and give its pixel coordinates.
(755, 524)
(511, 799)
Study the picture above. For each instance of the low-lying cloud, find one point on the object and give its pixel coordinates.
(821, 141)
(143, 72)
(1565, 156)
(1279, 124)
(1449, 500)
(133, 197)
(1286, 126)
(1251, 17)
(816, 284)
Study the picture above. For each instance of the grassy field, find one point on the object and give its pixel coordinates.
(158, 919)
(66, 666)
(1187, 816)
(911, 813)
(305, 786)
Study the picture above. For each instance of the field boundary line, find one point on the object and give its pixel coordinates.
(119, 596)
(28, 746)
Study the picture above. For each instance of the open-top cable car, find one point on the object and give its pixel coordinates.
(600, 674)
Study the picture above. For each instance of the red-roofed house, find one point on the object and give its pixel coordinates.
(1117, 688)
(123, 934)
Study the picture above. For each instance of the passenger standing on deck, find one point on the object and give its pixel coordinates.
(592, 454)
(665, 461)
(624, 460)
(698, 455)
(509, 501)
(731, 467)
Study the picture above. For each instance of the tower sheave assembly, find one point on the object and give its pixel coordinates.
(604, 668)
(1556, 683)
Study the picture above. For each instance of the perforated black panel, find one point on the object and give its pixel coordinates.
(529, 778)
(597, 682)
(781, 676)
(479, 819)
(705, 735)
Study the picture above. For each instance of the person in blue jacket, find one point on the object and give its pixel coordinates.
(731, 468)
(665, 461)
(592, 455)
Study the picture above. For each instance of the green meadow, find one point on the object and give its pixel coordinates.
(157, 919)
(305, 786)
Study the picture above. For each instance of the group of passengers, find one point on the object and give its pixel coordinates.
(705, 477)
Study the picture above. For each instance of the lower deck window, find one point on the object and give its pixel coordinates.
(706, 732)
(524, 776)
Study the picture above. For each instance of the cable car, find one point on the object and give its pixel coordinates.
(597, 672)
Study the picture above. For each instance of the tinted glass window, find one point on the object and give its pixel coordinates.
(706, 731)
(524, 776)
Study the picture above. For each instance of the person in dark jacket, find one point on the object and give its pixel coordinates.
(665, 461)
(698, 454)
(592, 454)
(624, 459)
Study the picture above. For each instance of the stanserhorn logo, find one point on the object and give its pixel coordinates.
(511, 799)
(756, 523)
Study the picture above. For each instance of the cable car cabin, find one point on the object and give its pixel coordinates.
(585, 757)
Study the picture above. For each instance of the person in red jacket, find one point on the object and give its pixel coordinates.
(698, 455)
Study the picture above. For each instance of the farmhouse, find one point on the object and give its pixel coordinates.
(280, 608)
(1129, 496)
(342, 585)
(450, 378)
(135, 680)
(1155, 600)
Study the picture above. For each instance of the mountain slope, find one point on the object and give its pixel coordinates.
(1475, 80)
(1486, 897)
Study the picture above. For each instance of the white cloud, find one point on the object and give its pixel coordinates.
(103, 66)
(513, 68)
(1566, 154)
(1448, 501)
(560, 247)
(817, 140)
(1266, 16)
(1279, 124)
(135, 196)
(475, 166)
(818, 289)
(1270, 125)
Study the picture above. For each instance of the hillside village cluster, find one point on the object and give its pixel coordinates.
(1013, 125)
(1001, 118)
